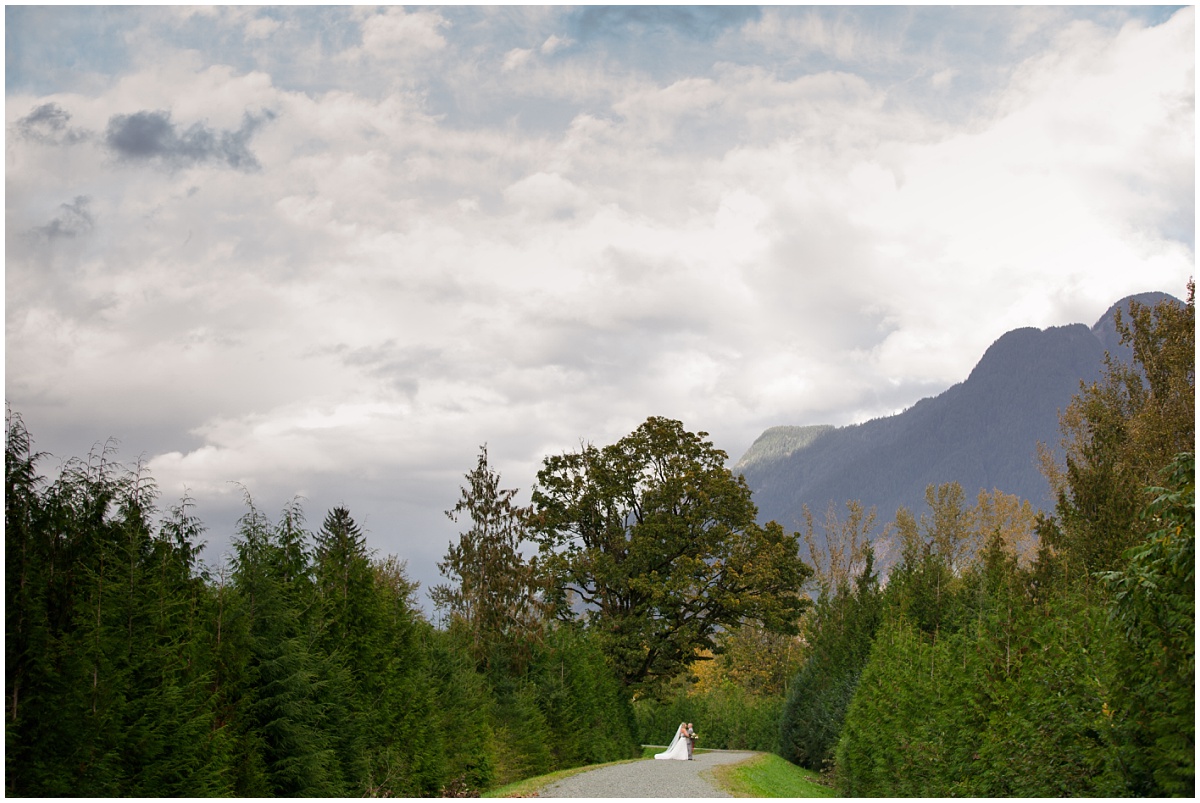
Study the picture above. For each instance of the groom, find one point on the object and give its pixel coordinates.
(690, 735)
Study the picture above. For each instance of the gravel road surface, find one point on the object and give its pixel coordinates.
(649, 778)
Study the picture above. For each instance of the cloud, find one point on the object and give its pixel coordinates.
(73, 220)
(942, 78)
(546, 194)
(554, 43)
(49, 124)
(658, 213)
(515, 58)
(151, 136)
(398, 34)
(261, 28)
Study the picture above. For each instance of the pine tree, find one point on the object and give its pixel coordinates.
(293, 693)
(494, 590)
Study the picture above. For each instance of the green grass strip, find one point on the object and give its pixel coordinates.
(768, 775)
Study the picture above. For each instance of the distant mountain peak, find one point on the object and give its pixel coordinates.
(1105, 329)
(778, 443)
(982, 432)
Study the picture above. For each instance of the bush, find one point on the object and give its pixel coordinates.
(725, 718)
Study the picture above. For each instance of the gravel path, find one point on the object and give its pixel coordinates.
(649, 778)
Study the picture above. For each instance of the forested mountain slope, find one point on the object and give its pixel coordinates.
(982, 432)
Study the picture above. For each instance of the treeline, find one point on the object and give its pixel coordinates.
(1006, 653)
(303, 668)
(1009, 654)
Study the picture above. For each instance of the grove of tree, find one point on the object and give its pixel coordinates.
(1003, 652)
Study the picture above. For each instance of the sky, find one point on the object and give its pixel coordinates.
(332, 251)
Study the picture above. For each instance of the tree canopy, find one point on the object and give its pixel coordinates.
(653, 543)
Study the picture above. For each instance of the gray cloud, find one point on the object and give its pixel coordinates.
(151, 136)
(73, 220)
(49, 124)
(400, 366)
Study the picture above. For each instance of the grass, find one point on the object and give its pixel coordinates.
(768, 775)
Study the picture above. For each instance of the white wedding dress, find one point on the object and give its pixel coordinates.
(678, 749)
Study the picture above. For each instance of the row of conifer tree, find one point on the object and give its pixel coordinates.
(303, 668)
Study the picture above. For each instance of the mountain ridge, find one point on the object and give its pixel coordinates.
(981, 432)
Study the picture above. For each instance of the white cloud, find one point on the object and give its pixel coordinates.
(546, 194)
(516, 58)
(812, 31)
(942, 78)
(399, 34)
(554, 43)
(261, 28)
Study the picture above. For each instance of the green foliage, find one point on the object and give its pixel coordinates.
(658, 540)
(455, 702)
(755, 659)
(586, 707)
(493, 594)
(995, 678)
(105, 692)
(1120, 432)
(1009, 704)
(733, 698)
(302, 668)
(839, 632)
(726, 717)
(1154, 609)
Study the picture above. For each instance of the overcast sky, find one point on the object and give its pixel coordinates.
(332, 251)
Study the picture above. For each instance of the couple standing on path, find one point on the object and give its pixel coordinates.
(682, 745)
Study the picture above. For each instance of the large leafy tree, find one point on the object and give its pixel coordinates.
(652, 541)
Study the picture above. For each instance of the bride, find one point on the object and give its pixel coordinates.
(678, 749)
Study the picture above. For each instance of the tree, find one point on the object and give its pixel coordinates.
(840, 632)
(1120, 432)
(845, 545)
(292, 693)
(107, 674)
(494, 592)
(652, 542)
(1154, 608)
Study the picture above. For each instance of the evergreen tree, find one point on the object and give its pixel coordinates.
(107, 676)
(494, 592)
(294, 693)
(839, 632)
(1154, 609)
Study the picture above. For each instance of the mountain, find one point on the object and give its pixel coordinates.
(982, 432)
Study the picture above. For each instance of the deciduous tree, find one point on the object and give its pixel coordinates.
(653, 542)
